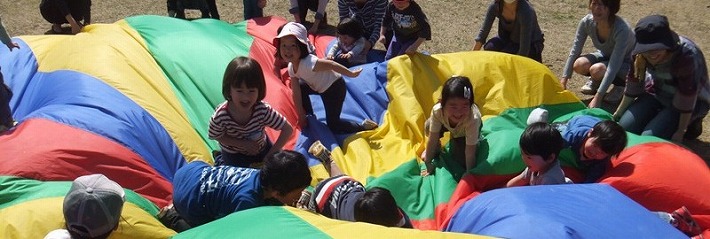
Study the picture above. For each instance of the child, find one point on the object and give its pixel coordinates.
(540, 146)
(203, 193)
(410, 25)
(310, 75)
(457, 114)
(344, 198)
(6, 120)
(593, 142)
(254, 8)
(92, 208)
(238, 123)
(349, 49)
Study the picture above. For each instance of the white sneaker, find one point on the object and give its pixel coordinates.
(537, 115)
(614, 95)
(590, 88)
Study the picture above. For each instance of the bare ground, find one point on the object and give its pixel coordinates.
(454, 24)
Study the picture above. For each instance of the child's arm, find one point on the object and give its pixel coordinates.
(5, 38)
(470, 153)
(413, 48)
(333, 50)
(424, 33)
(432, 148)
(286, 132)
(296, 90)
(325, 65)
(359, 48)
(517, 181)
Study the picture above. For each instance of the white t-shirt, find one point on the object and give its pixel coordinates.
(468, 127)
(58, 234)
(319, 81)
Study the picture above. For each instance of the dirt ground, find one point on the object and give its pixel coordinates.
(454, 25)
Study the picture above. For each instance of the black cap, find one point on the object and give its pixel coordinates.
(654, 33)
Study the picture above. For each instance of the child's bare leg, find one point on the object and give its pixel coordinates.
(323, 154)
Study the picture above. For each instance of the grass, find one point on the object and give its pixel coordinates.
(454, 25)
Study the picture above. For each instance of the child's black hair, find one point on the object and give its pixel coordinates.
(350, 27)
(285, 171)
(611, 137)
(541, 139)
(377, 206)
(457, 86)
(243, 70)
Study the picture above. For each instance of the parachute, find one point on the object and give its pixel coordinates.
(132, 100)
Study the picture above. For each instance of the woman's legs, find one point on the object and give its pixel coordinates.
(640, 113)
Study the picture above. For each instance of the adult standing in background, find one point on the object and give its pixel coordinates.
(299, 9)
(76, 13)
(369, 13)
(613, 40)
(668, 91)
(518, 30)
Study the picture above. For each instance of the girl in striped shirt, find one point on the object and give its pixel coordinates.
(238, 123)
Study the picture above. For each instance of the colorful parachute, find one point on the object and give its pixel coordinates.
(132, 100)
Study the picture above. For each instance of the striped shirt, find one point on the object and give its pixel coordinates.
(335, 197)
(370, 16)
(262, 115)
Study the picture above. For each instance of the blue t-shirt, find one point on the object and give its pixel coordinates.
(202, 193)
(574, 132)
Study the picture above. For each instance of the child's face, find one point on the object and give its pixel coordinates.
(456, 110)
(591, 151)
(261, 3)
(535, 163)
(290, 52)
(289, 198)
(400, 4)
(346, 40)
(243, 98)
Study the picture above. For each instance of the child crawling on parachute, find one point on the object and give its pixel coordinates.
(344, 198)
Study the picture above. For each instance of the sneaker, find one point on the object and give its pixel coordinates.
(590, 88)
(369, 124)
(614, 95)
(537, 115)
(694, 129)
(685, 222)
(322, 154)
